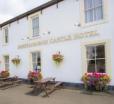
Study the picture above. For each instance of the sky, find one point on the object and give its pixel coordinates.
(12, 8)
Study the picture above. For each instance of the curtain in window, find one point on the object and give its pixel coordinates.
(93, 10)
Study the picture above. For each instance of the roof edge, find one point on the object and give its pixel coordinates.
(39, 8)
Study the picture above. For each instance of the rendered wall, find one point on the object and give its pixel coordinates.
(59, 21)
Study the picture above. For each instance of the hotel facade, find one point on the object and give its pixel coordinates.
(80, 30)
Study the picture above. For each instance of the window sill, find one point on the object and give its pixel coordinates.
(84, 25)
(5, 44)
(35, 37)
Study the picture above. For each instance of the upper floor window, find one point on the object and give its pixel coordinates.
(35, 26)
(93, 10)
(6, 35)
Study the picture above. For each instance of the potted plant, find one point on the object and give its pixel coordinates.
(4, 74)
(57, 57)
(34, 75)
(95, 81)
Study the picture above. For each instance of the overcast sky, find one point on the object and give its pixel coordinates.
(12, 8)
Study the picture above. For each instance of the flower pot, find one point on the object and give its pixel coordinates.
(4, 74)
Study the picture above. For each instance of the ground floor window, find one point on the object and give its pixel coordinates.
(36, 60)
(95, 57)
(6, 62)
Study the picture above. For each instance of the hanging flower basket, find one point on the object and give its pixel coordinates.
(16, 61)
(58, 58)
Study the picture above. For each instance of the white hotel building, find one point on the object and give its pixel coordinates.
(81, 30)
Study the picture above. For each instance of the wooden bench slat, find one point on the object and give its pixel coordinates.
(58, 84)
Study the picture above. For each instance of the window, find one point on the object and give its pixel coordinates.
(35, 26)
(6, 35)
(93, 10)
(36, 60)
(96, 58)
(6, 62)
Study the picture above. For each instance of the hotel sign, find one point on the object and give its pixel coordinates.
(59, 39)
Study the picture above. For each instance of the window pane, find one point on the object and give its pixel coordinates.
(34, 66)
(91, 66)
(90, 52)
(35, 31)
(35, 22)
(33, 57)
(97, 3)
(100, 65)
(89, 15)
(93, 10)
(6, 35)
(88, 4)
(100, 51)
(98, 13)
(36, 60)
(38, 54)
(7, 66)
(6, 31)
(6, 59)
(6, 39)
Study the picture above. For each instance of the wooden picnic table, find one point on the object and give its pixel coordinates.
(44, 85)
(8, 82)
(45, 80)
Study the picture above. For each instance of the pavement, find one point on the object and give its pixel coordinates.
(22, 95)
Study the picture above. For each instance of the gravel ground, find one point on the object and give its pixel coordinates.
(21, 95)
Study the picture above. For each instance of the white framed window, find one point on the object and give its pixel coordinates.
(36, 60)
(93, 10)
(35, 26)
(6, 35)
(95, 58)
(6, 62)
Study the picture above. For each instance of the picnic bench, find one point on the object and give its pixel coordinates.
(44, 85)
(3, 79)
(9, 82)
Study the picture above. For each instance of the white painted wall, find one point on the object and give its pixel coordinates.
(60, 22)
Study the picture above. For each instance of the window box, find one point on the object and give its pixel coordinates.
(96, 81)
